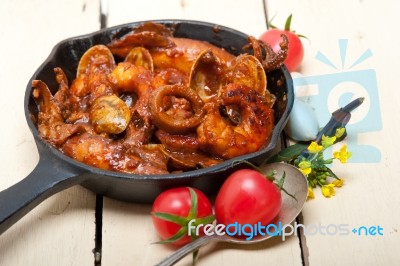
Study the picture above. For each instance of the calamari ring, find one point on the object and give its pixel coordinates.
(170, 123)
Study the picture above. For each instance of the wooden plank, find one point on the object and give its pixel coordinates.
(127, 228)
(370, 196)
(245, 16)
(61, 230)
(128, 238)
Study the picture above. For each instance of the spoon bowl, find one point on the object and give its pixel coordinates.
(295, 184)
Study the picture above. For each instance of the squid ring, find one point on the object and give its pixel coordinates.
(170, 123)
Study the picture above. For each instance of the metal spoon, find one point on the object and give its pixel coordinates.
(295, 184)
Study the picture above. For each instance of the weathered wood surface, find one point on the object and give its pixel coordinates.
(60, 231)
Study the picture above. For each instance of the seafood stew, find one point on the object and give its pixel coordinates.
(149, 102)
(56, 171)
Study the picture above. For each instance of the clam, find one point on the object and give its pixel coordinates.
(247, 70)
(98, 57)
(110, 114)
(205, 75)
(140, 56)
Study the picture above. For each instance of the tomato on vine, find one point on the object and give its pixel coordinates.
(295, 50)
(172, 211)
(248, 197)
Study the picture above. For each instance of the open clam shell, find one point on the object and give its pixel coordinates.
(140, 56)
(205, 75)
(98, 56)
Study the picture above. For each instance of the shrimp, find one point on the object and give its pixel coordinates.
(129, 78)
(219, 136)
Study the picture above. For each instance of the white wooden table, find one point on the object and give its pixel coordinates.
(62, 230)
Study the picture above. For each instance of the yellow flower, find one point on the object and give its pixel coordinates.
(338, 182)
(328, 190)
(306, 171)
(340, 132)
(327, 141)
(343, 155)
(310, 194)
(314, 147)
(305, 164)
(305, 167)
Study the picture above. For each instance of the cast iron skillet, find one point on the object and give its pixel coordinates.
(56, 172)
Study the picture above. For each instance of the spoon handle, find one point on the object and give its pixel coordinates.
(186, 249)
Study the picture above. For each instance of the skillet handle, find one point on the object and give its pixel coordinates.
(49, 177)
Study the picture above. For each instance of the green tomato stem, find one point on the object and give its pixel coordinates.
(288, 22)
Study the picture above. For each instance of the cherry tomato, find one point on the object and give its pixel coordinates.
(173, 209)
(247, 197)
(295, 49)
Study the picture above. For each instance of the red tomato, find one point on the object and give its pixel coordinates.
(295, 49)
(178, 203)
(247, 197)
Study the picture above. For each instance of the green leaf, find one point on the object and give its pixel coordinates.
(180, 234)
(302, 36)
(194, 203)
(281, 181)
(205, 220)
(289, 194)
(280, 186)
(182, 221)
(195, 256)
(271, 175)
(270, 25)
(288, 22)
(331, 173)
(288, 153)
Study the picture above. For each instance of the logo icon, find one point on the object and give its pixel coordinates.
(328, 92)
